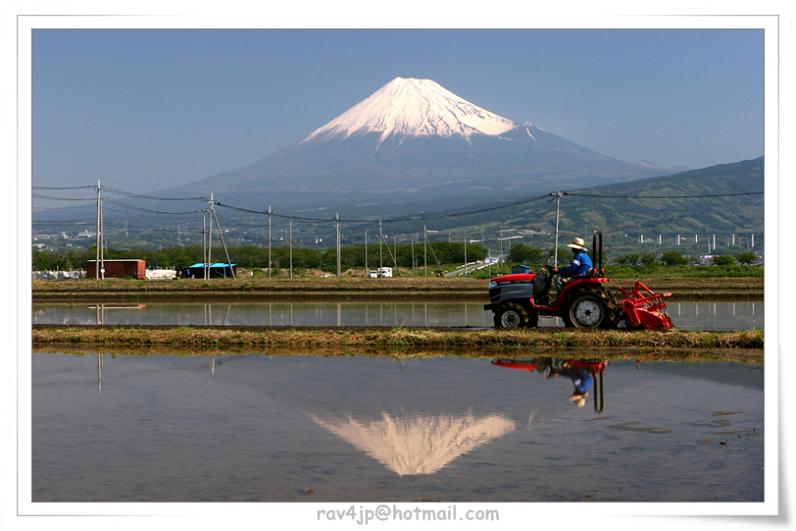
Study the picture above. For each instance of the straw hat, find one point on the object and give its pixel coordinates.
(578, 243)
(578, 399)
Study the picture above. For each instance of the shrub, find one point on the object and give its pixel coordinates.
(647, 259)
(673, 258)
(724, 260)
(629, 259)
(524, 253)
(746, 257)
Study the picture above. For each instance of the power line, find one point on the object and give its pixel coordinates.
(87, 187)
(415, 217)
(154, 197)
(41, 196)
(689, 196)
(150, 211)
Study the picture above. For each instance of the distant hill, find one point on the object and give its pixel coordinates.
(622, 219)
(660, 215)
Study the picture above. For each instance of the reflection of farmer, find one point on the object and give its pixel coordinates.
(583, 381)
(581, 377)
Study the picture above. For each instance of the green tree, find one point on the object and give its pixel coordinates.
(525, 253)
(746, 258)
(629, 259)
(647, 259)
(673, 258)
(724, 260)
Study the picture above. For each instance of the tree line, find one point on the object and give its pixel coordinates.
(253, 256)
(352, 256)
(522, 253)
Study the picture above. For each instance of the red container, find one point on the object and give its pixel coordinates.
(133, 268)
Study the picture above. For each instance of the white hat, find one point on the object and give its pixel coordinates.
(578, 243)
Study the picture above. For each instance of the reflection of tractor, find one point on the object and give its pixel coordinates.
(594, 368)
(518, 300)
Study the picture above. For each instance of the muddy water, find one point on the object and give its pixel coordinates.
(685, 315)
(299, 428)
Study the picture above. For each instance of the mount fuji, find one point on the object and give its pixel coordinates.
(415, 144)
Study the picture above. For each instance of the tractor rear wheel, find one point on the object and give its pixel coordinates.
(587, 310)
(514, 315)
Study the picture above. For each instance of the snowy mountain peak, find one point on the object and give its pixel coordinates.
(414, 107)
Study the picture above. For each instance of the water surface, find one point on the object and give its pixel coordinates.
(302, 428)
(685, 315)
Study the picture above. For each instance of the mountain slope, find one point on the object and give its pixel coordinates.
(414, 144)
(656, 215)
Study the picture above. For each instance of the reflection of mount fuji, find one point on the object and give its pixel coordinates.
(418, 445)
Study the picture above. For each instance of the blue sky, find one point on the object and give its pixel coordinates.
(152, 108)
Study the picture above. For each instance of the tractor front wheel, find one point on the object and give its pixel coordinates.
(515, 315)
(587, 311)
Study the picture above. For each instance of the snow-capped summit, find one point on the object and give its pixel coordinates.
(414, 107)
(415, 143)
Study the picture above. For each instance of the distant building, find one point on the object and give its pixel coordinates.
(382, 272)
(161, 274)
(217, 270)
(134, 268)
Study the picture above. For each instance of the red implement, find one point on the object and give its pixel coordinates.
(520, 365)
(644, 308)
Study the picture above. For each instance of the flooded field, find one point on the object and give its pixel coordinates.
(741, 315)
(296, 428)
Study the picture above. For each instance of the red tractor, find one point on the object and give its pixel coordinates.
(517, 300)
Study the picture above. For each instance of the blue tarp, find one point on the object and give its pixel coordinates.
(214, 264)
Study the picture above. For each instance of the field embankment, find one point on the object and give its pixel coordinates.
(418, 289)
(384, 339)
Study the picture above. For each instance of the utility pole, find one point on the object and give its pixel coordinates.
(223, 244)
(557, 195)
(642, 239)
(753, 240)
(395, 248)
(209, 238)
(678, 240)
(367, 274)
(412, 243)
(714, 242)
(465, 253)
(696, 238)
(102, 233)
(99, 231)
(337, 225)
(204, 244)
(733, 239)
(269, 241)
(290, 244)
(425, 251)
(660, 239)
(500, 242)
(381, 237)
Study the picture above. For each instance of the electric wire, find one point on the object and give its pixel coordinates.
(148, 210)
(686, 196)
(54, 198)
(153, 197)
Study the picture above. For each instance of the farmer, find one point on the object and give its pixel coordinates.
(581, 262)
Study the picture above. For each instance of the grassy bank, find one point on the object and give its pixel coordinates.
(384, 339)
(745, 356)
(347, 288)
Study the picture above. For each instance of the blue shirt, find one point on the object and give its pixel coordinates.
(583, 382)
(580, 266)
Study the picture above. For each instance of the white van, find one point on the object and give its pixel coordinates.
(382, 272)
